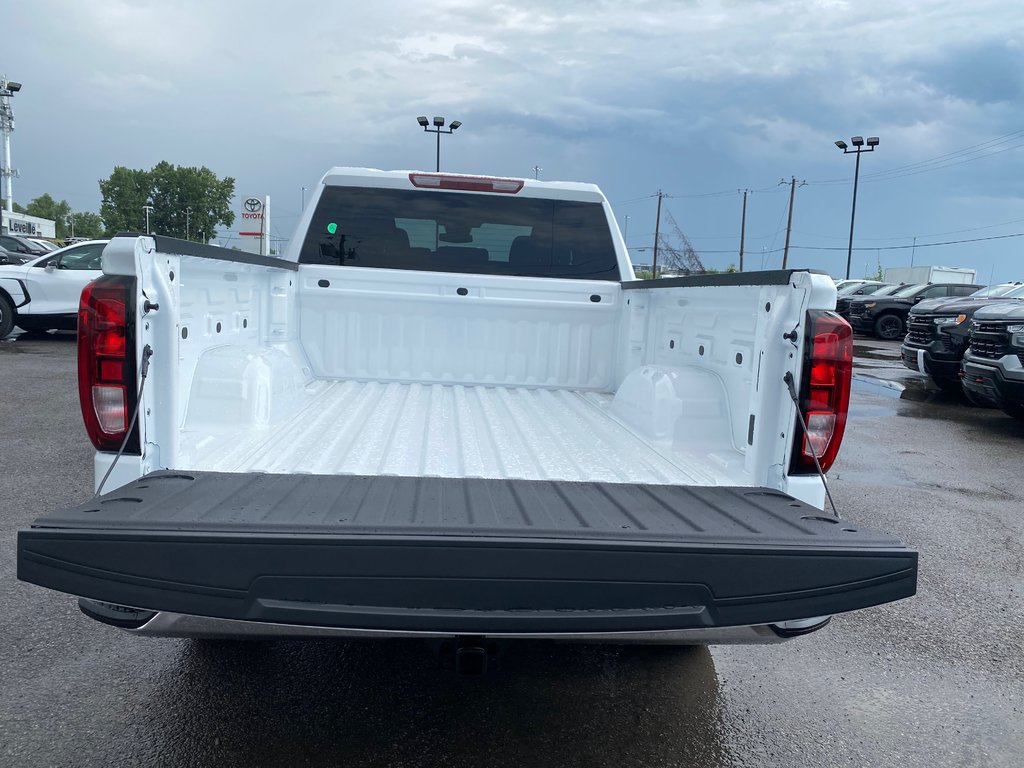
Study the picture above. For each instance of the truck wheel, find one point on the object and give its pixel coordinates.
(949, 386)
(1017, 411)
(889, 327)
(6, 317)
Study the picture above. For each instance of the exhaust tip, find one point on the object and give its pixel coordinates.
(120, 616)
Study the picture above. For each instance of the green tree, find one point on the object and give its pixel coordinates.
(186, 200)
(86, 224)
(124, 193)
(45, 207)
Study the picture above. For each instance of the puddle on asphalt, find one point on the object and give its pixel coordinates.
(875, 354)
(914, 397)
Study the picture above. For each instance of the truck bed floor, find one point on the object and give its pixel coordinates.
(440, 430)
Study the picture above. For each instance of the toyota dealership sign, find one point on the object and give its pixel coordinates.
(253, 224)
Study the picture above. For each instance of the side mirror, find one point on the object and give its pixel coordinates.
(50, 267)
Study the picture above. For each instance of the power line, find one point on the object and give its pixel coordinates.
(637, 199)
(948, 160)
(804, 233)
(973, 149)
(904, 247)
(868, 248)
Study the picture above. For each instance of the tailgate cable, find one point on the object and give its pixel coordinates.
(788, 378)
(147, 352)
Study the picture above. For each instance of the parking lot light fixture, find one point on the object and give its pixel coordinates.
(438, 129)
(7, 89)
(858, 144)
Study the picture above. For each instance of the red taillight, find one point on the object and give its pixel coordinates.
(106, 361)
(466, 183)
(824, 391)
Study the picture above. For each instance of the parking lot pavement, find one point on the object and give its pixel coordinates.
(932, 681)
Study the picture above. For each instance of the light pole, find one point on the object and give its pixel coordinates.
(438, 129)
(8, 89)
(188, 221)
(858, 144)
(303, 207)
(147, 208)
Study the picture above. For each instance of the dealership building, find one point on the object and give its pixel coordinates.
(27, 226)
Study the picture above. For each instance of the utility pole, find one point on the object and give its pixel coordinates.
(743, 226)
(188, 221)
(536, 171)
(789, 223)
(657, 232)
(303, 207)
(912, 250)
(147, 208)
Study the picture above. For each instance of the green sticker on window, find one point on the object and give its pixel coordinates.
(332, 228)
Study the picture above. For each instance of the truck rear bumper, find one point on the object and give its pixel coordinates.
(164, 624)
(462, 556)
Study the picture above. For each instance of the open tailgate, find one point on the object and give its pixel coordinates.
(469, 556)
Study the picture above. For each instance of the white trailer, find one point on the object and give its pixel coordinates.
(926, 274)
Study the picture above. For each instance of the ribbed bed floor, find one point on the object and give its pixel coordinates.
(423, 430)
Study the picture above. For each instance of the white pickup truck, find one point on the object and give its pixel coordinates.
(452, 412)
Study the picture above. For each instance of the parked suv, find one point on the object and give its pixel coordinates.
(993, 366)
(886, 316)
(938, 329)
(852, 293)
(21, 246)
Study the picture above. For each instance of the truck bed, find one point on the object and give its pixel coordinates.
(460, 555)
(443, 430)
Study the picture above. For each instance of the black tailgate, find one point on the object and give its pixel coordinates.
(468, 555)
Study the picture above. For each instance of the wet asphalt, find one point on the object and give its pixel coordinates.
(936, 680)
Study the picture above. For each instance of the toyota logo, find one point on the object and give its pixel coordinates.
(253, 204)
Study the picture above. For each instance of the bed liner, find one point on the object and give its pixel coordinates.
(462, 430)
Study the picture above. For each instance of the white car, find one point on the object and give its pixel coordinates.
(43, 294)
(44, 244)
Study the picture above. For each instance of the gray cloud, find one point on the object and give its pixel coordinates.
(689, 96)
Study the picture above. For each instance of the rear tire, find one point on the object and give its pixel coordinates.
(1017, 411)
(6, 317)
(976, 401)
(950, 387)
(889, 327)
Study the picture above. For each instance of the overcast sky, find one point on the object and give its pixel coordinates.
(699, 99)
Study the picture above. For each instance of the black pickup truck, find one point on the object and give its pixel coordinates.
(886, 316)
(844, 297)
(938, 333)
(993, 366)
